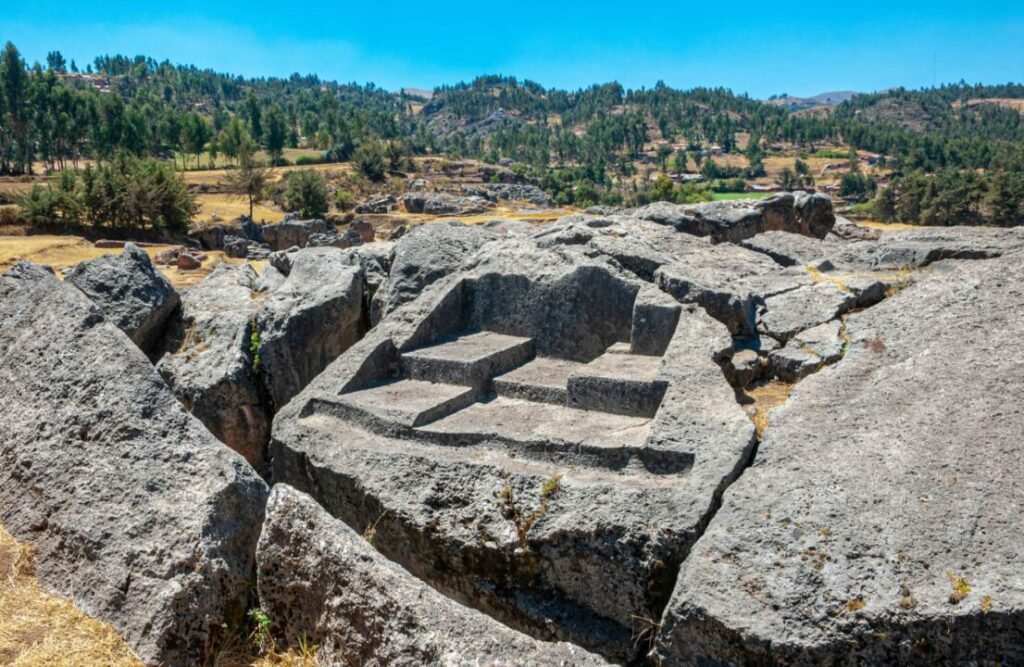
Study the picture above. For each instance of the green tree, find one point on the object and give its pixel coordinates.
(306, 193)
(275, 133)
(15, 142)
(249, 180)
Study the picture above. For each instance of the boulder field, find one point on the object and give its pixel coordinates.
(533, 445)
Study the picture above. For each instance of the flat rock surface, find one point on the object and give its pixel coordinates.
(131, 507)
(880, 522)
(321, 580)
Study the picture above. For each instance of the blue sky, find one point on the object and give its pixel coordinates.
(759, 48)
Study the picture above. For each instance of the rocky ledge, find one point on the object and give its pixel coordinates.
(520, 444)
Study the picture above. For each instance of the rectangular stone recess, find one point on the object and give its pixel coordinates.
(544, 380)
(471, 360)
(623, 384)
(411, 402)
(529, 421)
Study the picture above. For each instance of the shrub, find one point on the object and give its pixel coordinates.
(126, 193)
(306, 160)
(344, 200)
(306, 193)
(369, 159)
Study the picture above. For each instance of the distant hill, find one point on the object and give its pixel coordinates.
(829, 99)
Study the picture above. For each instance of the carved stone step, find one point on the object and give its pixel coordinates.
(471, 360)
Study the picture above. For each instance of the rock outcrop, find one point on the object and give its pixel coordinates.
(209, 363)
(129, 291)
(520, 192)
(131, 507)
(737, 220)
(306, 322)
(562, 506)
(290, 233)
(246, 344)
(880, 522)
(443, 203)
(426, 254)
(321, 580)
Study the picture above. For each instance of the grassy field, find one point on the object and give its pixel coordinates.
(229, 207)
(63, 253)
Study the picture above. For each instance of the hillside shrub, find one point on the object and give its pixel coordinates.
(306, 193)
(125, 193)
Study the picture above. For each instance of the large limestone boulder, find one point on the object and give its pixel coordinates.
(290, 233)
(210, 363)
(321, 580)
(737, 220)
(426, 254)
(129, 291)
(881, 520)
(132, 508)
(311, 318)
(443, 203)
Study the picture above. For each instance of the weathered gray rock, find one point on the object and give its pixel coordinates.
(916, 248)
(744, 367)
(520, 192)
(269, 279)
(789, 249)
(236, 246)
(428, 253)
(880, 522)
(132, 294)
(294, 233)
(851, 231)
(740, 219)
(814, 214)
(322, 581)
(793, 311)
(377, 205)
(808, 352)
(564, 523)
(131, 507)
(209, 363)
(443, 203)
(315, 315)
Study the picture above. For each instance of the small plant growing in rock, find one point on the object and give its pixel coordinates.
(370, 534)
(986, 604)
(260, 635)
(961, 588)
(856, 604)
(254, 345)
(548, 490)
(907, 600)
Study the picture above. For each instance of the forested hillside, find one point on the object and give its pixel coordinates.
(587, 146)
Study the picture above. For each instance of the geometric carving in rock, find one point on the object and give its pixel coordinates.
(451, 428)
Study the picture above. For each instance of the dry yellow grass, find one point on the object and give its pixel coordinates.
(889, 226)
(764, 398)
(230, 207)
(215, 177)
(63, 253)
(41, 629)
